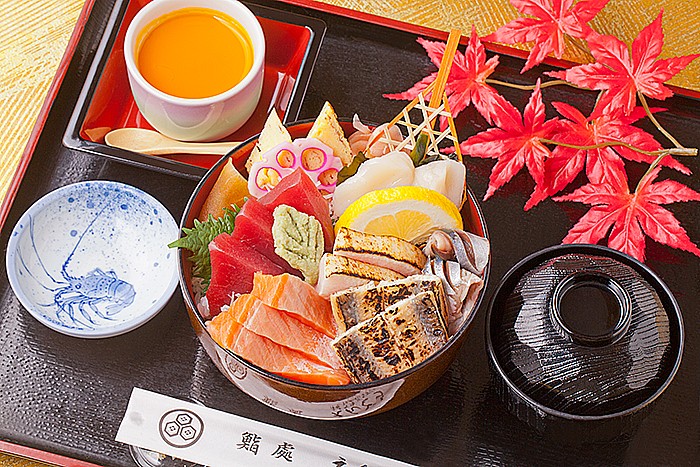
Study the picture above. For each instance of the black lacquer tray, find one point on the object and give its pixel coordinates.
(67, 396)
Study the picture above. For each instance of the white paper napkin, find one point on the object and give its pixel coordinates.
(206, 436)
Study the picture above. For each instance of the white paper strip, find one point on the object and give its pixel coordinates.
(210, 437)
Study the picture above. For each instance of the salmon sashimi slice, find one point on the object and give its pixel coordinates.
(291, 294)
(285, 362)
(282, 328)
(273, 357)
(224, 329)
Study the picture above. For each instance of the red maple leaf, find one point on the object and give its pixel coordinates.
(631, 215)
(515, 143)
(601, 164)
(622, 76)
(553, 20)
(466, 83)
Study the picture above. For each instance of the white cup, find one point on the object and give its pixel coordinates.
(201, 119)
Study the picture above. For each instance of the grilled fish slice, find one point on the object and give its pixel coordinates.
(338, 273)
(370, 352)
(381, 250)
(417, 323)
(394, 340)
(355, 305)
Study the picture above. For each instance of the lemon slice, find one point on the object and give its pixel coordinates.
(408, 212)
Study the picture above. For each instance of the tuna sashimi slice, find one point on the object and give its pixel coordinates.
(291, 294)
(298, 191)
(233, 265)
(254, 229)
(281, 328)
(273, 357)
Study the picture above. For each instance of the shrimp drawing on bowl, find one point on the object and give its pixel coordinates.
(95, 295)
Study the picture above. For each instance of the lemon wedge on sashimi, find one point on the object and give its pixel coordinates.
(408, 212)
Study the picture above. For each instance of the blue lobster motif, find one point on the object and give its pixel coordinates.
(84, 293)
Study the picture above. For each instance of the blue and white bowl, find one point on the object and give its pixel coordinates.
(91, 259)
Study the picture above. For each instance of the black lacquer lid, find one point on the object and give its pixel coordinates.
(583, 331)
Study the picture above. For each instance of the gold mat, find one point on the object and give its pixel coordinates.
(34, 34)
(9, 461)
(33, 37)
(621, 18)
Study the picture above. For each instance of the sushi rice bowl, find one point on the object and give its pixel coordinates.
(318, 304)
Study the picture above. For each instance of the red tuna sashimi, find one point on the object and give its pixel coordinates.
(233, 265)
(298, 191)
(284, 329)
(294, 296)
(273, 357)
(254, 228)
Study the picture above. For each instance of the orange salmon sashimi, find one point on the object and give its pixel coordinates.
(291, 294)
(273, 357)
(282, 328)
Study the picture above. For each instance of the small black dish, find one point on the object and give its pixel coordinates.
(581, 340)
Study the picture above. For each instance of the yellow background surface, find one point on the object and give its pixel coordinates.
(34, 34)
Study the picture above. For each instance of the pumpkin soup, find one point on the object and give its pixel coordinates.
(194, 53)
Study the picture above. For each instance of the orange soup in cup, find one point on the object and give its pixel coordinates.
(194, 53)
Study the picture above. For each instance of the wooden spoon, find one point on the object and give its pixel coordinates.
(154, 143)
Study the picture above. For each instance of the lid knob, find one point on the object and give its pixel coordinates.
(591, 309)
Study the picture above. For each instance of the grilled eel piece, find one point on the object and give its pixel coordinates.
(352, 306)
(402, 336)
(381, 250)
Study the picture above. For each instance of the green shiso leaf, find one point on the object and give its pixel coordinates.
(197, 241)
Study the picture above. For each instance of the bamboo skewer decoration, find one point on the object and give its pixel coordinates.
(436, 107)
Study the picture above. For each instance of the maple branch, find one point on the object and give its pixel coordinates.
(661, 153)
(574, 42)
(656, 122)
(657, 161)
(530, 87)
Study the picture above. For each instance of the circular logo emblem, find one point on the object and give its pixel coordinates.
(234, 368)
(181, 428)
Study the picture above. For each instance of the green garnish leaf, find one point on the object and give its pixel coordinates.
(298, 239)
(418, 152)
(197, 241)
(350, 170)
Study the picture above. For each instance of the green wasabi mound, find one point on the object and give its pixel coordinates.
(298, 239)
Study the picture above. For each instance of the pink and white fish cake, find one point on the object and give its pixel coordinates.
(314, 157)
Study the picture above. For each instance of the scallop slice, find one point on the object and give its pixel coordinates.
(444, 176)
